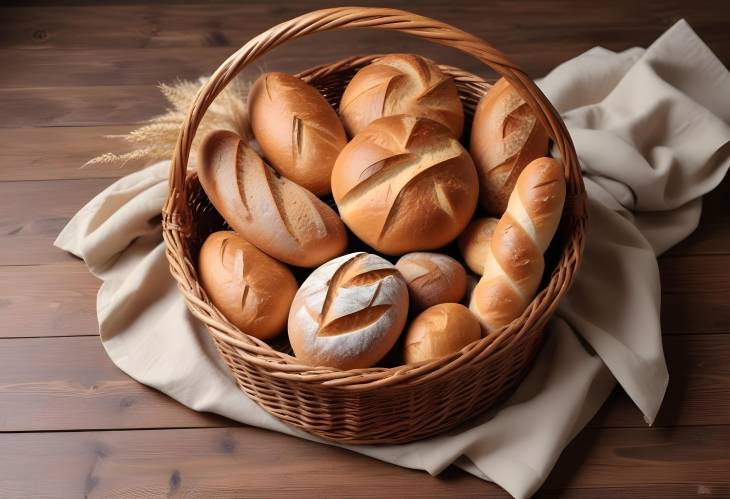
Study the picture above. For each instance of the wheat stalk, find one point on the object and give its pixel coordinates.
(156, 140)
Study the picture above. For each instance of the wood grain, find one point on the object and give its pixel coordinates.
(71, 384)
(226, 462)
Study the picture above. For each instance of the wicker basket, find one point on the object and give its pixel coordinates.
(375, 405)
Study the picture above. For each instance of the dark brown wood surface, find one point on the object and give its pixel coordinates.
(72, 424)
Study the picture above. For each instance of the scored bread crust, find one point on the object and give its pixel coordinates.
(404, 184)
(298, 131)
(432, 278)
(279, 217)
(401, 84)
(505, 137)
(514, 264)
(348, 313)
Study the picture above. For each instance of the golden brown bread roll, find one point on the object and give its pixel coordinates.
(401, 84)
(514, 265)
(505, 137)
(474, 242)
(439, 331)
(349, 312)
(250, 288)
(404, 184)
(298, 131)
(278, 216)
(432, 278)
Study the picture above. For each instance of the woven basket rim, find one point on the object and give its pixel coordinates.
(284, 367)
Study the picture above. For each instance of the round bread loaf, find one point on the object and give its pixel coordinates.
(251, 289)
(432, 278)
(505, 137)
(279, 217)
(438, 331)
(401, 84)
(298, 131)
(474, 242)
(349, 312)
(404, 184)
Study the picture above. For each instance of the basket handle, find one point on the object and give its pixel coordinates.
(176, 213)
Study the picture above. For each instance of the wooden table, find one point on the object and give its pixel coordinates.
(73, 424)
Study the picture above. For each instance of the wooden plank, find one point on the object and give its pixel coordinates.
(79, 106)
(59, 152)
(69, 383)
(48, 300)
(246, 461)
(33, 213)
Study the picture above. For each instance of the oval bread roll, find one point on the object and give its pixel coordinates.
(514, 265)
(279, 217)
(474, 242)
(439, 331)
(250, 288)
(404, 184)
(348, 313)
(432, 278)
(505, 137)
(401, 84)
(298, 131)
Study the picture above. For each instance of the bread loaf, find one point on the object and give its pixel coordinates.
(505, 137)
(514, 265)
(401, 84)
(251, 289)
(348, 313)
(474, 242)
(432, 278)
(404, 184)
(298, 131)
(279, 217)
(439, 331)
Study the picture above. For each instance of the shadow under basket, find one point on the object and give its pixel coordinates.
(376, 405)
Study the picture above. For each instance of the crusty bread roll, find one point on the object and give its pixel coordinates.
(505, 137)
(474, 242)
(401, 84)
(438, 331)
(298, 131)
(404, 184)
(514, 265)
(349, 312)
(250, 288)
(432, 278)
(278, 216)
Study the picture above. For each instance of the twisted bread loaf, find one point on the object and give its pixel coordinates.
(349, 312)
(401, 84)
(298, 131)
(405, 184)
(279, 217)
(514, 264)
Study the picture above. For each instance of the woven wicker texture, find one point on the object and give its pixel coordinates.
(375, 405)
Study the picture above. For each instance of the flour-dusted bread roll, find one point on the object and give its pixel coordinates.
(405, 184)
(432, 278)
(279, 217)
(439, 331)
(298, 131)
(250, 288)
(474, 242)
(514, 265)
(401, 84)
(505, 137)
(348, 313)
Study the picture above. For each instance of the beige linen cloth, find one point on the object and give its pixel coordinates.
(651, 130)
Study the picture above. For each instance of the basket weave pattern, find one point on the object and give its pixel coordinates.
(374, 405)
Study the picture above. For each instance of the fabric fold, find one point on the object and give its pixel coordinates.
(651, 131)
